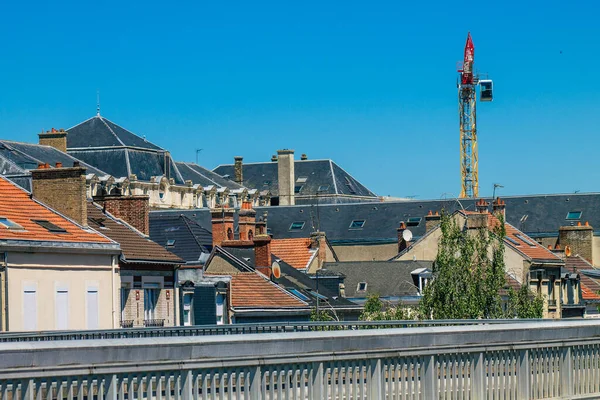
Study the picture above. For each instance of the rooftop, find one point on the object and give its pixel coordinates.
(251, 290)
(296, 252)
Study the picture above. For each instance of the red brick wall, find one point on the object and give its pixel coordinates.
(222, 221)
(262, 251)
(135, 210)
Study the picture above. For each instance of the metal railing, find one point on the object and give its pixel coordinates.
(127, 323)
(235, 329)
(534, 360)
(154, 323)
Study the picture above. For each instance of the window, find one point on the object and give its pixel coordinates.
(524, 239)
(7, 223)
(513, 241)
(413, 221)
(29, 308)
(92, 308)
(301, 179)
(357, 224)
(267, 183)
(298, 294)
(220, 301)
(250, 235)
(187, 308)
(350, 186)
(298, 188)
(297, 226)
(171, 242)
(62, 308)
(49, 226)
(571, 215)
(323, 188)
(317, 295)
(150, 300)
(361, 287)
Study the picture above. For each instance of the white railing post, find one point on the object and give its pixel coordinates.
(429, 378)
(188, 385)
(317, 381)
(113, 389)
(375, 382)
(255, 383)
(566, 372)
(27, 389)
(478, 388)
(524, 376)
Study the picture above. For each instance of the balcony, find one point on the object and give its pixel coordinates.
(552, 303)
(127, 323)
(154, 323)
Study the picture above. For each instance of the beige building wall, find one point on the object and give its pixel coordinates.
(374, 252)
(220, 266)
(46, 274)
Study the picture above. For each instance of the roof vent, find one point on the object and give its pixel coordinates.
(304, 157)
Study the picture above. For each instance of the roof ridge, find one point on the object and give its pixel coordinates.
(335, 188)
(111, 131)
(351, 176)
(134, 134)
(82, 122)
(204, 176)
(185, 221)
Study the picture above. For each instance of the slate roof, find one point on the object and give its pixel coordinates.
(382, 277)
(17, 159)
(134, 246)
(205, 177)
(320, 174)
(296, 252)
(190, 239)
(251, 290)
(18, 207)
(119, 152)
(542, 215)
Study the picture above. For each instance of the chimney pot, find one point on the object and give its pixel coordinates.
(58, 165)
(587, 223)
(273, 158)
(46, 166)
(76, 164)
(578, 223)
(304, 157)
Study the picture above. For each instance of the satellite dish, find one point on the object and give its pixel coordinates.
(407, 235)
(568, 251)
(276, 270)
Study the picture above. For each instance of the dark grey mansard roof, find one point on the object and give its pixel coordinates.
(119, 152)
(191, 240)
(324, 174)
(536, 215)
(17, 159)
(385, 278)
(203, 176)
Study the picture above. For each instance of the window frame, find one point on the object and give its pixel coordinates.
(10, 224)
(359, 285)
(51, 227)
(352, 227)
(294, 224)
(568, 218)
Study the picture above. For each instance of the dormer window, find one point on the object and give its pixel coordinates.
(361, 287)
(8, 224)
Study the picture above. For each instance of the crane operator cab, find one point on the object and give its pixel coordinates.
(486, 90)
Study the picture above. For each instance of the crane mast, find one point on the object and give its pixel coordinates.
(467, 97)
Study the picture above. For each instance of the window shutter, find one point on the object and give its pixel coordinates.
(205, 305)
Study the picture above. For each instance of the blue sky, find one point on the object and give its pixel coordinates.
(371, 85)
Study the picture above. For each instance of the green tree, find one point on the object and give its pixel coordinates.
(376, 310)
(524, 304)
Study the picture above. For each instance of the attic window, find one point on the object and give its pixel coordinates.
(302, 179)
(361, 287)
(524, 239)
(226, 176)
(99, 222)
(170, 242)
(513, 241)
(297, 226)
(572, 215)
(298, 188)
(49, 226)
(350, 185)
(8, 224)
(298, 294)
(413, 221)
(323, 188)
(357, 224)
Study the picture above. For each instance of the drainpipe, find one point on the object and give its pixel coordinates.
(113, 290)
(4, 322)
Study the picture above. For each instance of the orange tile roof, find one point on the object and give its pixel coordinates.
(589, 287)
(250, 290)
(18, 207)
(295, 252)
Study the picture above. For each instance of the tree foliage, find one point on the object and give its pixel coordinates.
(376, 310)
(523, 304)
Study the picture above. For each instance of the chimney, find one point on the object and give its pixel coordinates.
(63, 189)
(135, 210)
(274, 158)
(222, 225)
(238, 169)
(54, 138)
(579, 238)
(318, 242)
(432, 220)
(304, 157)
(499, 208)
(402, 244)
(262, 254)
(285, 177)
(482, 206)
(247, 222)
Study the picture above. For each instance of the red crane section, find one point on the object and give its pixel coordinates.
(467, 69)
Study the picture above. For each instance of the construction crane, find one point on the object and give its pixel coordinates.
(467, 112)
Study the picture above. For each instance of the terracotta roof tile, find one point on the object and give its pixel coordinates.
(133, 245)
(250, 290)
(18, 207)
(589, 287)
(295, 252)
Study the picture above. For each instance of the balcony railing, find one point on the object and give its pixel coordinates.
(154, 323)
(127, 323)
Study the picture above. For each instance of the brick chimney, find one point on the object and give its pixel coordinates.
(432, 220)
(54, 138)
(285, 177)
(63, 189)
(579, 238)
(402, 244)
(482, 206)
(318, 242)
(135, 210)
(238, 169)
(499, 208)
(247, 221)
(222, 225)
(262, 254)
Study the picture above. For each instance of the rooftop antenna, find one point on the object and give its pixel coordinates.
(197, 152)
(97, 103)
(496, 185)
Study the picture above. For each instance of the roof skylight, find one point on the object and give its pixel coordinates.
(7, 223)
(301, 179)
(297, 226)
(49, 226)
(298, 294)
(413, 221)
(298, 188)
(361, 287)
(523, 238)
(357, 224)
(171, 242)
(513, 241)
(323, 188)
(572, 215)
